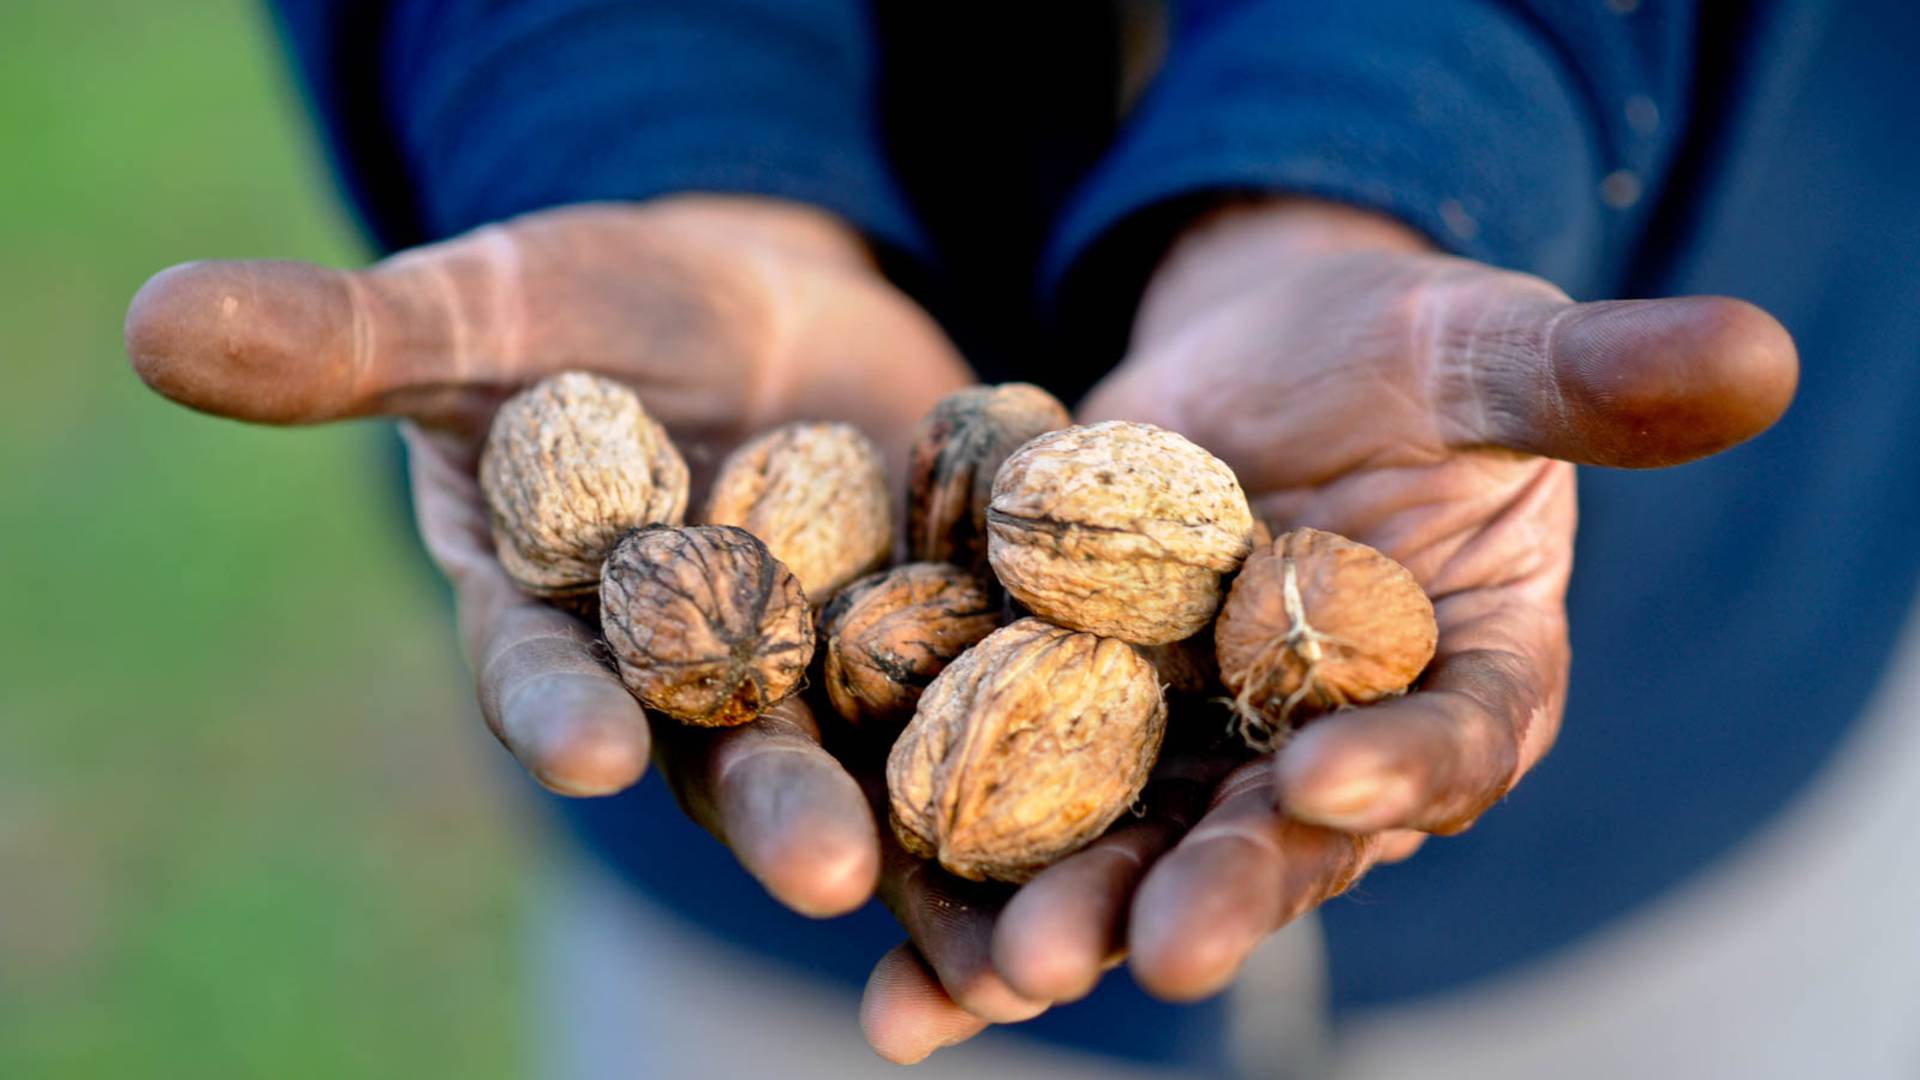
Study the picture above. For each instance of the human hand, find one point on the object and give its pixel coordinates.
(1432, 408)
(728, 315)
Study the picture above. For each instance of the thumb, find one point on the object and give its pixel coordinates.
(292, 343)
(1627, 383)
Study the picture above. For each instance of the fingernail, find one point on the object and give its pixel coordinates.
(1367, 801)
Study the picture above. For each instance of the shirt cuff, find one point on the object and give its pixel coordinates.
(503, 109)
(1453, 118)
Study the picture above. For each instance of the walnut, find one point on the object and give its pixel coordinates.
(1262, 535)
(570, 464)
(1185, 668)
(1119, 529)
(889, 634)
(1024, 750)
(957, 450)
(1314, 622)
(817, 494)
(704, 623)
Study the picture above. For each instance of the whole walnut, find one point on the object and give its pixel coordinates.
(1315, 622)
(1024, 750)
(817, 494)
(570, 464)
(957, 450)
(1185, 668)
(704, 623)
(1119, 529)
(889, 634)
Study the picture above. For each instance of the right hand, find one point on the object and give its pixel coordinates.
(728, 315)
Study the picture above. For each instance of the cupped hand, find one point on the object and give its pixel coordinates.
(728, 315)
(1432, 408)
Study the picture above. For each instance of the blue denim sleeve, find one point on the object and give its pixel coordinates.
(1534, 135)
(441, 115)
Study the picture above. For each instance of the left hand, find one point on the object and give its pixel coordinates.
(1430, 407)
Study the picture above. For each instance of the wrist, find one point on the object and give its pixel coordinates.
(790, 230)
(1245, 241)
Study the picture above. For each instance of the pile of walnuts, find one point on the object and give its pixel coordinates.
(1060, 581)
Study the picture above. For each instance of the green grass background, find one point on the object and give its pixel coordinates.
(248, 825)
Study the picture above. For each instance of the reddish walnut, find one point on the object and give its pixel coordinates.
(1317, 622)
(1120, 529)
(571, 464)
(704, 623)
(890, 633)
(956, 452)
(1024, 750)
(817, 494)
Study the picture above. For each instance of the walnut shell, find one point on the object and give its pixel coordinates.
(1119, 529)
(704, 623)
(1316, 621)
(1185, 668)
(1024, 750)
(817, 494)
(889, 634)
(570, 464)
(957, 450)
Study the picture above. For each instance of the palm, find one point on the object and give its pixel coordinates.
(1426, 406)
(728, 315)
(1346, 411)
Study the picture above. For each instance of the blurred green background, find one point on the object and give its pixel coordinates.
(248, 824)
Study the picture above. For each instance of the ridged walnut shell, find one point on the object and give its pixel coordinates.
(889, 634)
(1119, 529)
(1315, 622)
(957, 450)
(570, 464)
(817, 494)
(704, 623)
(1024, 750)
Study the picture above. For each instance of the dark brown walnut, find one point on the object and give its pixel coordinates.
(1185, 668)
(571, 464)
(1119, 529)
(888, 635)
(1316, 622)
(1024, 750)
(957, 450)
(817, 494)
(704, 623)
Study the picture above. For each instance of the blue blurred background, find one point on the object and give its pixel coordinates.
(245, 812)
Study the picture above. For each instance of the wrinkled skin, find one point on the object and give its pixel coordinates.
(1357, 383)
(1426, 406)
(728, 315)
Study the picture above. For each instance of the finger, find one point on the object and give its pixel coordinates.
(1628, 383)
(441, 333)
(794, 817)
(293, 343)
(1399, 845)
(542, 689)
(1067, 926)
(1242, 873)
(950, 922)
(1434, 760)
(905, 1014)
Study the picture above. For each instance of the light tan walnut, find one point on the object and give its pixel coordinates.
(1120, 529)
(570, 464)
(704, 623)
(1315, 622)
(889, 634)
(817, 495)
(1024, 750)
(957, 450)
